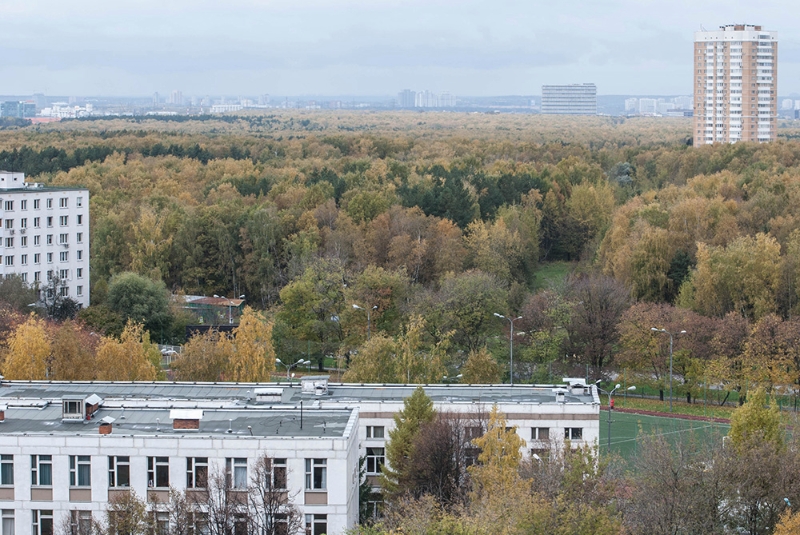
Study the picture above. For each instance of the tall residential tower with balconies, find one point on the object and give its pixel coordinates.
(735, 85)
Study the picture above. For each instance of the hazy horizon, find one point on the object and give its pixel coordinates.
(360, 47)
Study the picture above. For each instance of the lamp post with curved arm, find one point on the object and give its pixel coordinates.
(670, 359)
(611, 406)
(369, 317)
(511, 343)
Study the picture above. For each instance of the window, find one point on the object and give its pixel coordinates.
(80, 219)
(37, 276)
(316, 474)
(63, 256)
(79, 290)
(23, 241)
(63, 238)
(80, 522)
(240, 524)
(279, 472)
(161, 522)
(236, 472)
(25, 275)
(9, 223)
(9, 206)
(23, 205)
(43, 522)
(63, 220)
(37, 222)
(9, 261)
(374, 431)
(41, 470)
(80, 471)
(49, 239)
(79, 237)
(37, 258)
(540, 433)
(63, 274)
(49, 203)
(119, 471)
(79, 273)
(80, 254)
(79, 202)
(6, 469)
(49, 259)
(63, 202)
(49, 274)
(23, 223)
(196, 472)
(23, 260)
(158, 472)
(573, 433)
(198, 523)
(375, 459)
(9, 242)
(316, 524)
(37, 240)
(8, 522)
(49, 221)
(36, 204)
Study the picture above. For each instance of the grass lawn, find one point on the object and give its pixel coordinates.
(551, 273)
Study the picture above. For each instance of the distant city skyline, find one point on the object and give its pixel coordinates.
(368, 47)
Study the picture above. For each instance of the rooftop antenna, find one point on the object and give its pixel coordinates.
(702, 28)
(230, 425)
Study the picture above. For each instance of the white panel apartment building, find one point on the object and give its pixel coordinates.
(45, 233)
(55, 464)
(573, 99)
(735, 85)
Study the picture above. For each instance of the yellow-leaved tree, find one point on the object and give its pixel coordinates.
(480, 368)
(131, 358)
(28, 351)
(500, 502)
(253, 355)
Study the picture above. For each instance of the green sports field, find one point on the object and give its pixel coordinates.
(628, 429)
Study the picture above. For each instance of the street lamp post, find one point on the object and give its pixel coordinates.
(611, 406)
(369, 316)
(670, 359)
(289, 367)
(511, 342)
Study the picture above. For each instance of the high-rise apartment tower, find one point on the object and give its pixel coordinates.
(735, 85)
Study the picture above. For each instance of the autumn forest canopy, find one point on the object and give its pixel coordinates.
(593, 230)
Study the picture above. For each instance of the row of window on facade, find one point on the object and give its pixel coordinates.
(63, 256)
(80, 521)
(63, 221)
(63, 239)
(63, 202)
(158, 474)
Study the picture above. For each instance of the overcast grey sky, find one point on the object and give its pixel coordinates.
(369, 47)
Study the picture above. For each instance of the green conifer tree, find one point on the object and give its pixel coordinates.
(417, 410)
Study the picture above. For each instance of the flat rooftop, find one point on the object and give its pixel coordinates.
(230, 395)
(244, 422)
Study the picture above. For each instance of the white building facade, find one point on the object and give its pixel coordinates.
(56, 463)
(573, 99)
(45, 234)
